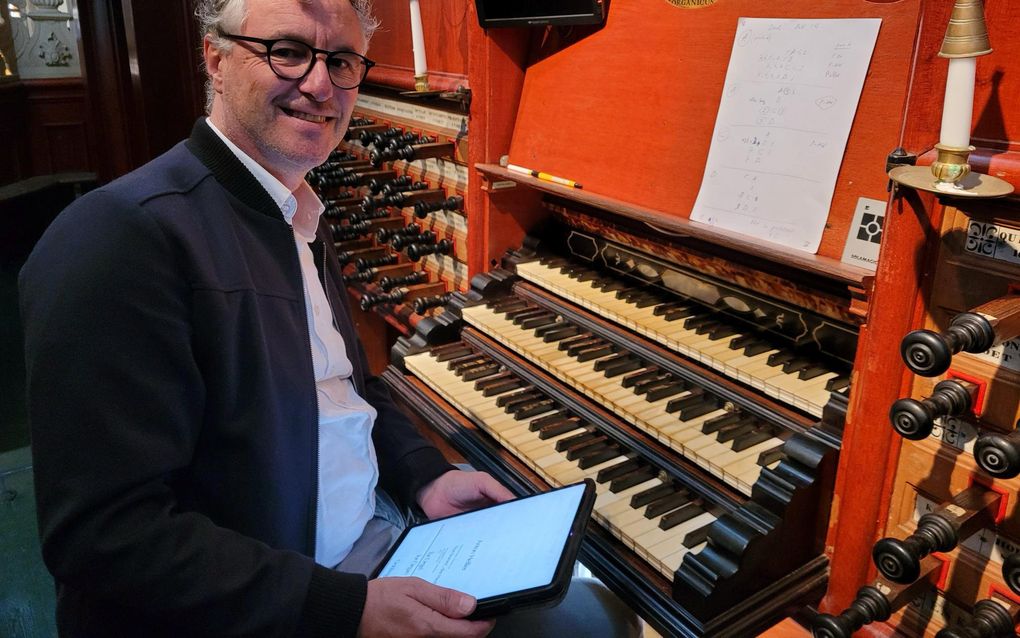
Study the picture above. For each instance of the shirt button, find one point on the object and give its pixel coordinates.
(315, 309)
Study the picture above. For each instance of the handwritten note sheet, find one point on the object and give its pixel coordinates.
(789, 99)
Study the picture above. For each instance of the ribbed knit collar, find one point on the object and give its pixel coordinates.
(229, 171)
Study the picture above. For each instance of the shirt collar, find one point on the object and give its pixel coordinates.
(301, 208)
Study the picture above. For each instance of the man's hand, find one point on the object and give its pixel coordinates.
(412, 607)
(456, 491)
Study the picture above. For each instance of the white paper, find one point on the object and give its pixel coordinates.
(789, 100)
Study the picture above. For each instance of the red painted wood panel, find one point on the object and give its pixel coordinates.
(446, 24)
(629, 110)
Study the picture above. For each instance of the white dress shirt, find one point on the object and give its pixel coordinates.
(348, 469)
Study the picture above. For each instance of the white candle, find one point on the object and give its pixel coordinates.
(958, 108)
(418, 40)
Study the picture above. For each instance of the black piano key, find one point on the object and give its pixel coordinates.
(779, 358)
(835, 384)
(503, 386)
(602, 364)
(595, 352)
(621, 367)
(528, 410)
(561, 427)
(669, 503)
(591, 460)
(695, 397)
(723, 331)
(710, 404)
(692, 323)
(768, 457)
(560, 333)
(641, 376)
(582, 439)
(729, 432)
(552, 260)
(795, 365)
(582, 340)
(501, 306)
(681, 312)
(743, 341)
(588, 275)
(613, 285)
(653, 493)
(468, 359)
(450, 351)
(529, 309)
(665, 390)
(717, 422)
(682, 515)
(620, 469)
(753, 438)
(757, 347)
(707, 327)
(647, 301)
(584, 344)
(665, 307)
(812, 372)
(627, 481)
(529, 392)
(554, 325)
(511, 406)
(480, 371)
(548, 419)
(697, 537)
(625, 294)
(481, 384)
(538, 320)
(585, 449)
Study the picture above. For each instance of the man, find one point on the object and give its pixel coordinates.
(207, 439)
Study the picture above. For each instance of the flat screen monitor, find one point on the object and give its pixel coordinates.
(517, 13)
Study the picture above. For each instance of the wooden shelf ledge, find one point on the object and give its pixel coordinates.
(672, 226)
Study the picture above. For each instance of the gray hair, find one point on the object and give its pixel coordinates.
(228, 16)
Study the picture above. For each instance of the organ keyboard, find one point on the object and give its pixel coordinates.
(705, 472)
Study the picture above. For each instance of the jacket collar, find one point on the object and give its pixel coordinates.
(229, 171)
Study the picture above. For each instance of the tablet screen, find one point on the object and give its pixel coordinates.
(506, 548)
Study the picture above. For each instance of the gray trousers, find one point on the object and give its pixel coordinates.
(589, 609)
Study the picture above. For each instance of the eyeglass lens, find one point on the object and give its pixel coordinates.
(292, 60)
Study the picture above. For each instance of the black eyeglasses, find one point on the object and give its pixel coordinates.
(293, 60)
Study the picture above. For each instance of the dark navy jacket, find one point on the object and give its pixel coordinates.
(173, 409)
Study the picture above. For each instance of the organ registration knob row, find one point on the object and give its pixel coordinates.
(929, 353)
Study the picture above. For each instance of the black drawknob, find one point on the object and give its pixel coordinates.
(999, 454)
(417, 251)
(914, 419)
(900, 560)
(363, 276)
(416, 277)
(989, 620)
(869, 606)
(1011, 572)
(402, 241)
(929, 354)
(368, 300)
(383, 235)
(371, 262)
(377, 186)
(421, 304)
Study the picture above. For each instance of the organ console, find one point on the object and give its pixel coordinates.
(730, 397)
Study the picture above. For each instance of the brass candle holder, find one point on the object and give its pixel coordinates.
(950, 174)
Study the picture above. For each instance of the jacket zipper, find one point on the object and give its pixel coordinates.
(313, 534)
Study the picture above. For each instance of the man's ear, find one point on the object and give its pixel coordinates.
(213, 58)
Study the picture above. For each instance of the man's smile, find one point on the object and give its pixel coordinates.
(308, 117)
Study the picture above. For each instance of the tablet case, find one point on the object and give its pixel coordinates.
(544, 596)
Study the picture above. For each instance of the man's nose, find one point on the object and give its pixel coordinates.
(317, 83)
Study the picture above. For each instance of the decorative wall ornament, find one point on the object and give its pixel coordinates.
(45, 40)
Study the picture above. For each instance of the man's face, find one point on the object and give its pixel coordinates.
(287, 126)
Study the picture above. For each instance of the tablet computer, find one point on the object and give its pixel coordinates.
(515, 554)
